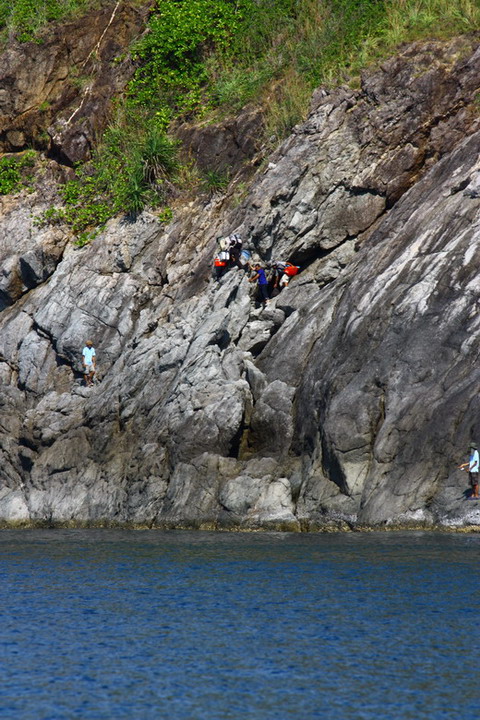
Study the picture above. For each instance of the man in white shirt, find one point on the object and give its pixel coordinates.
(89, 362)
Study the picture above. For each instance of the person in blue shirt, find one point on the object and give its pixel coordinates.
(262, 282)
(472, 465)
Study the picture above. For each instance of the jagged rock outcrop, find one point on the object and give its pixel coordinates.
(347, 401)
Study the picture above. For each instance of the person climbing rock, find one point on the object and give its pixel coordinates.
(262, 282)
(89, 362)
(235, 248)
(220, 264)
(220, 267)
(472, 465)
(282, 272)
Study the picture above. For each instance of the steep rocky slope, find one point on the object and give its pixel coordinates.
(347, 402)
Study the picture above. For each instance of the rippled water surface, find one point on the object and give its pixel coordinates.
(180, 625)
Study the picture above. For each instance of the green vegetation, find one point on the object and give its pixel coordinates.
(16, 171)
(132, 168)
(207, 59)
(26, 18)
(206, 54)
(214, 181)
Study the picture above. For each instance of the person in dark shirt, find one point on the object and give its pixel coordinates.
(262, 282)
(235, 248)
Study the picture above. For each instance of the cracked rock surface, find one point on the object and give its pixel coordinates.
(347, 401)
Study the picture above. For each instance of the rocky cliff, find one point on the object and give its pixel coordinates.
(347, 402)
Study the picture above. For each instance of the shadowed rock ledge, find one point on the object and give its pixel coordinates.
(348, 402)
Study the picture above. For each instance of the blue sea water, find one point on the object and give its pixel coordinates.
(188, 626)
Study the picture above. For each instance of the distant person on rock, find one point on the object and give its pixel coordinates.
(282, 272)
(262, 282)
(472, 465)
(235, 248)
(220, 265)
(89, 362)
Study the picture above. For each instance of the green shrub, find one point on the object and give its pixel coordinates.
(172, 68)
(133, 167)
(215, 181)
(192, 44)
(15, 171)
(204, 54)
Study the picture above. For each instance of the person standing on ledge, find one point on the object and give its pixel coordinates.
(89, 362)
(262, 282)
(472, 465)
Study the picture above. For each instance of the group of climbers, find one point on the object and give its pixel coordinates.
(231, 254)
(270, 278)
(278, 277)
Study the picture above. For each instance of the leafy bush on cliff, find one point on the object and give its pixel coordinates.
(15, 171)
(129, 170)
(201, 54)
(190, 43)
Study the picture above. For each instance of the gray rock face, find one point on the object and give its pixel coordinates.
(347, 401)
(225, 146)
(392, 411)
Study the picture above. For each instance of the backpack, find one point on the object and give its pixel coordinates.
(290, 269)
(245, 257)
